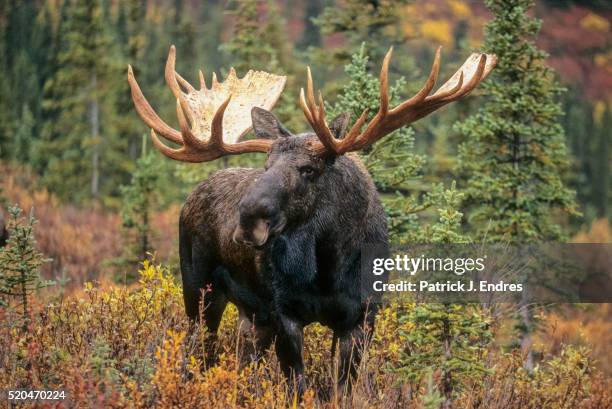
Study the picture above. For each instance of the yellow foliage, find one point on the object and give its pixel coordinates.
(598, 233)
(595, 22)
(599, 109)
(459, 8)
(439, 31)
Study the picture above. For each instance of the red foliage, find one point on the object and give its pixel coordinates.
(79, 240)
(574, 44)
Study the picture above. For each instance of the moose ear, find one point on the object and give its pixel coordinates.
(266, 125)
(339, 124)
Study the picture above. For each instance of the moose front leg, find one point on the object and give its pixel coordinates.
(352, 347)
(292, 267)
(289, 347)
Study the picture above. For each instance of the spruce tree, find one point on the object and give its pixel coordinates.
(80, 151)
(139, 199)
(20, 261)
(514, 152)
(376, 22)
(246, 48)
(26, 49)
(392, 161)
(603, 182)
(311, 35)
(5, 105)
(449, 338)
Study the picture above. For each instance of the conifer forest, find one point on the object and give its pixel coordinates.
(93, 265)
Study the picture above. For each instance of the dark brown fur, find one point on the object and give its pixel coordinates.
(314, 215)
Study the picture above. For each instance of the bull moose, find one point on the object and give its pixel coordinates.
(284, 243)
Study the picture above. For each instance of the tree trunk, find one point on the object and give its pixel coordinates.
(525, 337)
(24, 299)
(447, 381)
(94, 119)
(144, 235)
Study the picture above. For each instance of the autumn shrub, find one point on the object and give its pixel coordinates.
(130, 347)
(586, 325)
(567, 380)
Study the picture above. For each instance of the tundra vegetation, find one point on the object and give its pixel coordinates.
(114, 334)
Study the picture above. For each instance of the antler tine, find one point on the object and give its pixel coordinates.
(202, 80)
(473, 82)
(327, 137)
(184, 83)
(190, 141)
(352, 135)
(315, 115)
(170, 72)
(450, 92)
(427, 87)
(310, 93)
(216, 129)
(147, 113)
(176, 154)
(173, 78)
(305, 108)
(388, 120)
(384, 83)
(458, 91)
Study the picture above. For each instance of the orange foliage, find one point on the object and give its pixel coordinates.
(598, 233)
(590, 326)
(80, 241)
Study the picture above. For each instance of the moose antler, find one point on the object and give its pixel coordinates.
(211, 120)
(475, 70)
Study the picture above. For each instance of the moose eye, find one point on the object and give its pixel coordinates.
(307, 171)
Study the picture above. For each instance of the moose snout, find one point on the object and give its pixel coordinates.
(256, 236)
(258, 219)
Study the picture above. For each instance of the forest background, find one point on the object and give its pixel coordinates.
(75, 154)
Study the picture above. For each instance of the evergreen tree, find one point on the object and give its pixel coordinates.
(580, 127)
(138, 202)
(392, 161)
(20, 261)
(209, 34)
(247, 48)
(5, 106)
(603, 157)
(26, 46)
(514, 152)
(311, 35)
(130, 34)
(80, 151)
(449, 338)
(23, 135)
(376, 22)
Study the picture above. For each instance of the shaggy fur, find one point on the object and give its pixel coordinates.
(284, 244)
